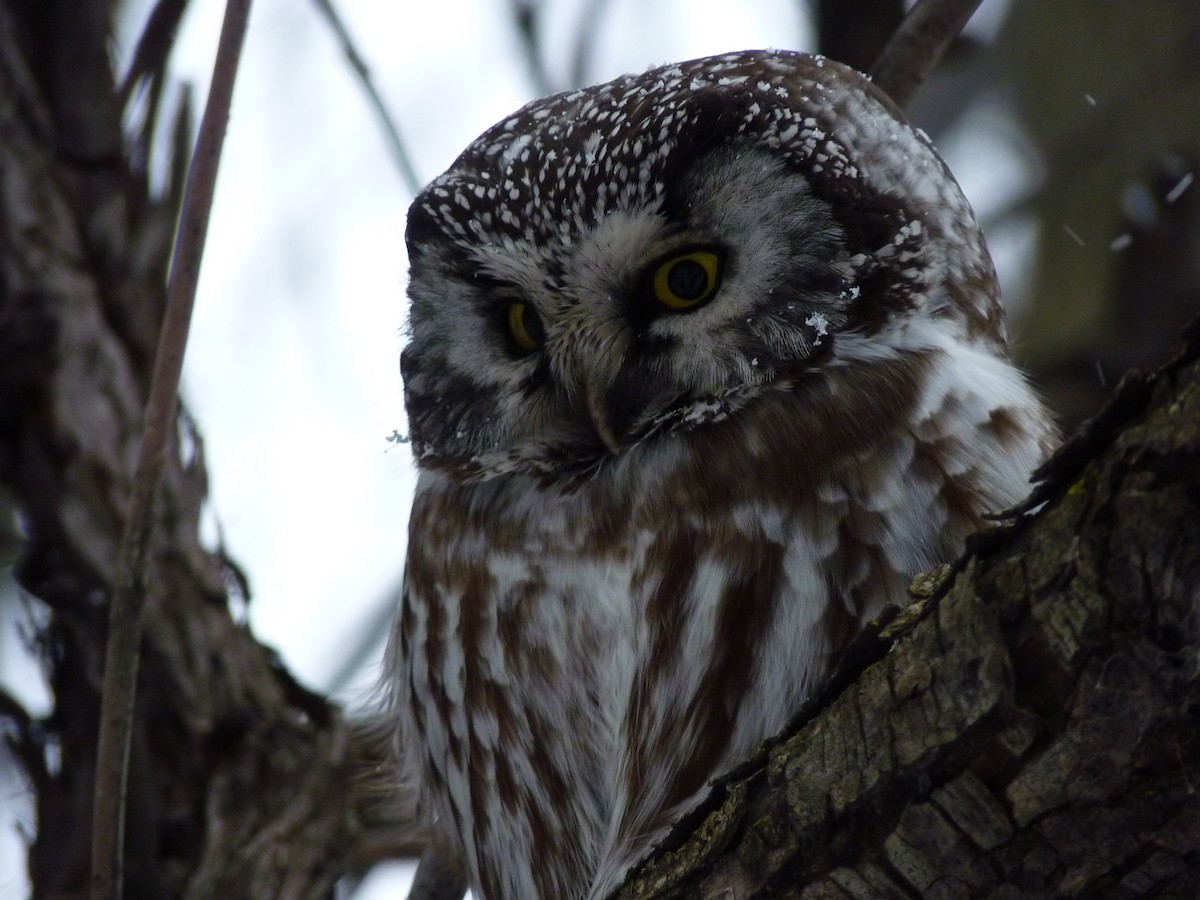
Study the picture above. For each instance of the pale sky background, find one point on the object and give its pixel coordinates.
(292, 370)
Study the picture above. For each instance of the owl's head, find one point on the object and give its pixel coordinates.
(614, 264)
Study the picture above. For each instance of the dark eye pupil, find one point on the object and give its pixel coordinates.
(533, 325)
(688, 280)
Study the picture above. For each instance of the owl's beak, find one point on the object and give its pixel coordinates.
(601, 420)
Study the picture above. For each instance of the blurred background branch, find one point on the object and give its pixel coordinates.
(391, 131)
(918, 44)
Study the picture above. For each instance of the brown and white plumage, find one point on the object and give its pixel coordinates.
(644, 528)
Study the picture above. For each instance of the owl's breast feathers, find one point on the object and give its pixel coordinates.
(607, 646)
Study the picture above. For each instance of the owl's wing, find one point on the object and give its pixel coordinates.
(442, 873)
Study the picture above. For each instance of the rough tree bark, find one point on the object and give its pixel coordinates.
(1027, 728)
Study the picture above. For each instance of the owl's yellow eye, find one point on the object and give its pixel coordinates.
(524, 326)
(687, 280)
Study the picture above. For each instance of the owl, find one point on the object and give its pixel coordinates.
(704, 364)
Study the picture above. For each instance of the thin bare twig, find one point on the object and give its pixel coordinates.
(585, 40)
(525, 19)
(154, 46)
(126, 615)
(918, 44)
(391, 130)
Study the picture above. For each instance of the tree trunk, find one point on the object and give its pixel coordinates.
(1027, 728)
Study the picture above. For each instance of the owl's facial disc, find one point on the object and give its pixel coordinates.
(670, 317)
(652, 320)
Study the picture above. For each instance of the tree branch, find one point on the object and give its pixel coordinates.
(128, 602)
(918, 45)
(391, 131)
(525, 19)
(586, 31)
